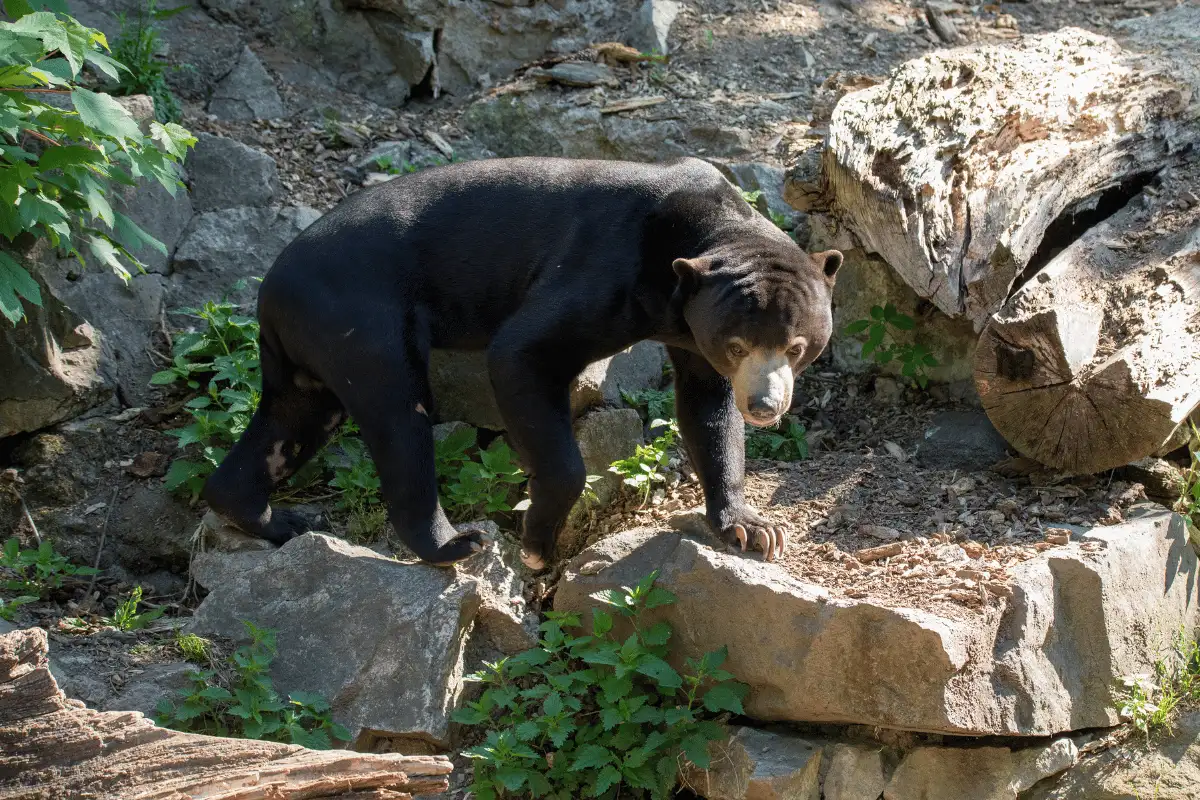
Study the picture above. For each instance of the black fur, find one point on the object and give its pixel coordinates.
(548, 264)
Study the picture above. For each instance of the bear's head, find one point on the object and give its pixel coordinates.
(760, 311)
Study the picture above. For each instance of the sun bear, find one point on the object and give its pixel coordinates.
(548, 265)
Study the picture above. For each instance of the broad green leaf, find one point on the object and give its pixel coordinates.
(660, 671)
(469, 716)
(602, 623)
(16, 283)
(657, 635)
(106, 115)
(659, 597)
(133, 237)
(857, 327)
(695, 747)
(608, 777)
(512, 778)
(725, 697)
(591, 756)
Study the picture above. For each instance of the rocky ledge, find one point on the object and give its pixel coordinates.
(1045, 661)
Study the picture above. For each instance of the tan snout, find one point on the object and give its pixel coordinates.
(762, 386)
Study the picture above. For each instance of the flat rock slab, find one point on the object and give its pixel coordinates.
(381, 639)
(1047, 661)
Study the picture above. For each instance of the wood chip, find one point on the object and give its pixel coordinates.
(632, 104)
(869, 554)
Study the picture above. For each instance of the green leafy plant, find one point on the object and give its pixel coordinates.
(136, 47)
(1149, 701)
(194, 648)
(8, 608)
(1189, 496)
(882, 345)
(387, 165)
(35, 572)
(127, 618)
(787, 441)
(590, 714)
(482, 486)
(58, 165)
(651, 403)
(648, 464)
(222, 360)
(247, 706)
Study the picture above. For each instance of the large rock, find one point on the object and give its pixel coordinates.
(381, 639)
(964, 440)
(51, 367)
(652, 25)
(977, 773)
(462, 390)
(247, 92)
(754, 764)
(1081, 616)
(544, 123)
(1169, 770)
(146, 687)
(223, 247)
(754, 176)
(855, 773)
(226, 173)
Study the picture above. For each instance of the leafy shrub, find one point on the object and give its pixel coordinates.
(8, 608)
(57, 165)
(881, 343)
(136, 47)
(1189, 496)
(787, 441)
(468, 487)
(387, 165)
(586, 714)
(247, 706)
(127, 618)
(649, 463)
(652, 403)
(222, 360)
(37, 572)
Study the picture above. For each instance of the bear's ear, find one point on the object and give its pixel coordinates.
(690, 270)
(830, 262)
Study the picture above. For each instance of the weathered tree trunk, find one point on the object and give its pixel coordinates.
(1095, 361)
(956, 167)
(52, 748)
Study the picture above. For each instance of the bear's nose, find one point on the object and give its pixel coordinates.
(761, 408)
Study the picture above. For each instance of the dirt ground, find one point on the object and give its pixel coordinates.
(867, 521)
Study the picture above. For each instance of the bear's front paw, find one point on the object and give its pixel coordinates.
(745, 527)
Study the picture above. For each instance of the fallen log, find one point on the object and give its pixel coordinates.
(1096, 361)
(53, 748)
(964, 167)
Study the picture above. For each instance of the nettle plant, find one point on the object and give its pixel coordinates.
(649, 463)
(786, 441)
(587, 714)
(468, 487)
(882, 345)
(245, 705)
(58, 165)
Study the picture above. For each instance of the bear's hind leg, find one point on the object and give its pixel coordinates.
(290, 425)
(389, 399)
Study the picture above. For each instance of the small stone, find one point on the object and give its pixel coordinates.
(973, 549)
(212, 166)
(149, 465)
(855, 773)
(758, 765)
(888, 390)
(879, 532)
(869, 554)
(247, 92)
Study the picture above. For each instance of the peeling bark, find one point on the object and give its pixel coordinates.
(53, 748)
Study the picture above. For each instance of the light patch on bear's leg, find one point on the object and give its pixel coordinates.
(334, 421)
(420, 409)
(277, 463)
(762, 385)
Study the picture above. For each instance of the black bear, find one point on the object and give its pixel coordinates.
(547, 264)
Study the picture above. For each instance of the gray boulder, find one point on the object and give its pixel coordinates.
(606, 435)
(232, 244)
(382, 639)
(964, 440)
(462, 390)
(855, 773)
(1080, 617)
(652, 25)
(51, 363)
(755, 764)
(247, 92)
(755, 176)
(146, 687)
(226, 173)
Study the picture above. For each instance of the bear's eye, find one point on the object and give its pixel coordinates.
(736, 350)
